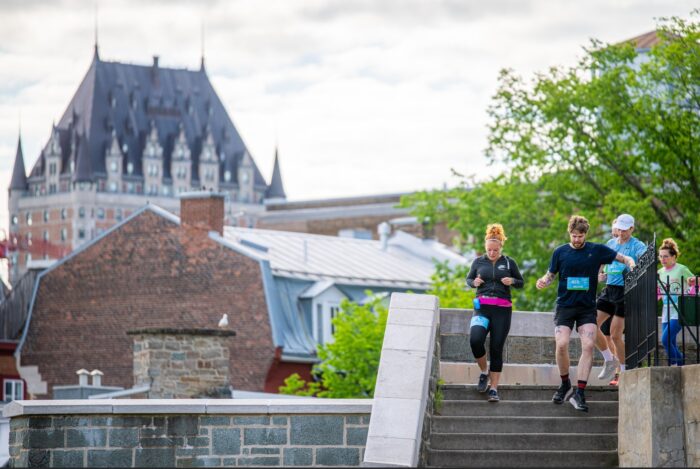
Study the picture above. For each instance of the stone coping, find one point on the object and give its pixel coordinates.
(188, 406)
(174, 331)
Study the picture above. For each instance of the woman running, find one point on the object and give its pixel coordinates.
(492, 274)
(674, 279)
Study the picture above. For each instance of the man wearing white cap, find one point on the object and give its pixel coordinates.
(611, 301)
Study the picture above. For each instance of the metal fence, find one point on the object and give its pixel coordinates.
(646, 297)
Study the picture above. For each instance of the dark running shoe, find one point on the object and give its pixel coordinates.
(561, 393)
(493, 396)
(579, 401)
(483, 383)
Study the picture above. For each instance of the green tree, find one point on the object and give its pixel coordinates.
(618, 132)
(349, 364)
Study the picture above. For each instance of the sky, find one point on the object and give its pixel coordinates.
(359, 96)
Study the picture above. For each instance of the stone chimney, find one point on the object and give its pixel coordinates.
(182, 363)
(204, 210)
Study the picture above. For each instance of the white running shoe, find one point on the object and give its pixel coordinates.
(609, 369)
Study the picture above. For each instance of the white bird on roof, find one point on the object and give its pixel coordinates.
(223, 322)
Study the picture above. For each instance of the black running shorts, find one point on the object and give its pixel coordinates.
(612, 301)
(579, 315)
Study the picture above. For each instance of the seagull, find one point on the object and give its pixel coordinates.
(223, 322)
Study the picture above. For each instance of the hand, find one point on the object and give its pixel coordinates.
(602, 277)
(478, 281)
(691, 281)
(541, 283)
(631, 264)
(507, 281)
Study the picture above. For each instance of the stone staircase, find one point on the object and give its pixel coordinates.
(525, 429)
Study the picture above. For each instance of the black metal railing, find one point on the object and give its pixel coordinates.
(647, 297)
(641, 315)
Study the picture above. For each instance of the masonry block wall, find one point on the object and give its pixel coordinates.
(188, 440)
(150, 272)
(182, 363)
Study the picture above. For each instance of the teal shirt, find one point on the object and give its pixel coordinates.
(633, 248)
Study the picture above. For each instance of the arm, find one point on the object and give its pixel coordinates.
(602, 276)
(472, 274)
(545, 281)
(627, 260)
(516, 278)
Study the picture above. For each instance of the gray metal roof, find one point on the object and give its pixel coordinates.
(19, 177)
(126, 100)
(407, 262)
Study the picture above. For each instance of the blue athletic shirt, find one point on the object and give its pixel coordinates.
(633, 248)
(578, 272)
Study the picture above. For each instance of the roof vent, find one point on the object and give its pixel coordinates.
(383, 229)
(82, 376)
(96, 377)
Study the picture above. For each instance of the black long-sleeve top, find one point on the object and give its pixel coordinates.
(492, 273)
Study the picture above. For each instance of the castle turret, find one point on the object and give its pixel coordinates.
(275, 191)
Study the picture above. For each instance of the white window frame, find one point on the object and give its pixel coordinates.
(15, 383)
(325, 306)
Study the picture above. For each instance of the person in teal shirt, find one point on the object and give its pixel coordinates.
(611, 302)
(674, 279)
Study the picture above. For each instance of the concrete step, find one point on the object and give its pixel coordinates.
(524, 408)
(524, 393)
(524, 441)
(481, 458)
(514, 374)
(580, 423)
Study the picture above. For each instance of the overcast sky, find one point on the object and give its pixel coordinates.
(375, 96)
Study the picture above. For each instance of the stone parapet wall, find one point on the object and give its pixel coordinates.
(659, 415)
(317, 436)
(180, 363)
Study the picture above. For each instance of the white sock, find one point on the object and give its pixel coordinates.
(607, 354)
(622, 367)
(485, 373)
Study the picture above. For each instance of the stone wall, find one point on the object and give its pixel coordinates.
(659, 417)
(182, 363)
(314, 438)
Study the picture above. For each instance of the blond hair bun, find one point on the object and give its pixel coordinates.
(495, 231)
(670, 245)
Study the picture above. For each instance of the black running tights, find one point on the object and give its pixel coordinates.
(499, 325)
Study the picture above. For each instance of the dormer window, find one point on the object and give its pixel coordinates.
(227, 176)
(130, 168)
(113, 166)
(245, 177)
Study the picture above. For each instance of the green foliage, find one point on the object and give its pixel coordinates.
(612, 134)
(439, 397)
(450, 286)
(349, 364)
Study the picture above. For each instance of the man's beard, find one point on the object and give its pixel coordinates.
(578, 245)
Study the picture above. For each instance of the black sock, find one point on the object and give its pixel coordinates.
(565, 378)
(582, 385)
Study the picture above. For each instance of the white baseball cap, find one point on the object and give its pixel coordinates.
(624, 222)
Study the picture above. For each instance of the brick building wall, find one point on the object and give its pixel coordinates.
(150, 272)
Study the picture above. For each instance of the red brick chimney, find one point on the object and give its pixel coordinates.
(203, 210)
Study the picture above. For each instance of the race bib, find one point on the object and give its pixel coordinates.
(616, 268)
(481, 321)
(577, 283)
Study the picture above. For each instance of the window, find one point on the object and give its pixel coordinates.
(52, 169)
(118, 214)
(227, 176)
(130, 168)
(29, 238)
(13, 390)
(46, 215)
(64, 234)
(46, 235)
(244, 176)
(166, 190)
(81, 233)
(323, 321)
(15, 220)
(28, 218)
(81, 212)
(52, 188)
(130, 187)
(101, 213)
(113, 186)
(64, 213)
(113, 166)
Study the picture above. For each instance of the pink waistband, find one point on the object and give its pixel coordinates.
(489, 300)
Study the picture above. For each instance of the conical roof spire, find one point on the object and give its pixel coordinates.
(276, 189)
(19, 176)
